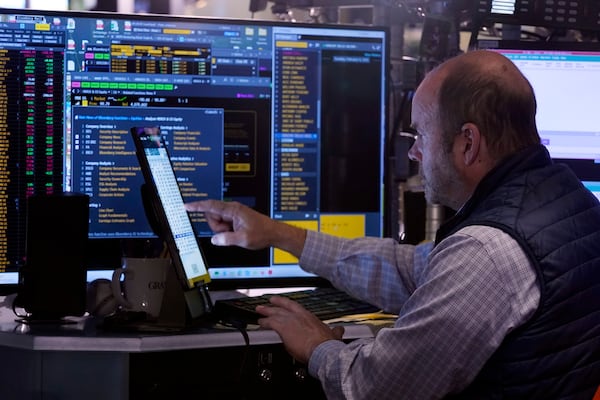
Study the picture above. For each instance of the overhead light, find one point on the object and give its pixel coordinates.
(201, 3)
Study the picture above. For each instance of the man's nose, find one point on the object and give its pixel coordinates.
(414, 153)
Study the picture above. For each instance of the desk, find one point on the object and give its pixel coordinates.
(80, 361)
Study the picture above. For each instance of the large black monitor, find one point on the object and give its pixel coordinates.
(566, 79)
(289, 119)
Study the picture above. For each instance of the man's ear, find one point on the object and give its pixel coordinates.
(470, 143)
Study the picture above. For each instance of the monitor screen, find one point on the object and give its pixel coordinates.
(566, 79)
(287, 118)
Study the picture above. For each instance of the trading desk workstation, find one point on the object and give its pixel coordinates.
(307, 123)
(79, 360)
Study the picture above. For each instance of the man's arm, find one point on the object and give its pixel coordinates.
(476, 287)
(235, 224)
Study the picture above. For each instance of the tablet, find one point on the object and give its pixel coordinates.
(169, 217)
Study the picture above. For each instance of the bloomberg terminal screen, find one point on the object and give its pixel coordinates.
(289, 119)
(31, 126)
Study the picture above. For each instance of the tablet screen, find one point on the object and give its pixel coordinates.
(167, 202)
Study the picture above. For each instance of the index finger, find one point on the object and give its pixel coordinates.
(227, 210)
(200, 205)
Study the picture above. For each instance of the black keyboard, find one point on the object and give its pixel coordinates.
(325, 303)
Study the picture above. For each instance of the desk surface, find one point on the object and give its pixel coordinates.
(84, 335)
(82, 361)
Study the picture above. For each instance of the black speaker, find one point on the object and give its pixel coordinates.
(53, 281)
(257, 5)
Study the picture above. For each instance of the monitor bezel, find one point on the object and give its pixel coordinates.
(537, 45)
(112, 249)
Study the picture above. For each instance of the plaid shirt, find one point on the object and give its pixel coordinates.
(455, 304)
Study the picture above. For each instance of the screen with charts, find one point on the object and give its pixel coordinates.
(289, 119)
(566, 79)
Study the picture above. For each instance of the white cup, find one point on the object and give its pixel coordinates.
(143, 284)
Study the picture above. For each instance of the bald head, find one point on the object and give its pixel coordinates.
(490, 65)
(485, 88)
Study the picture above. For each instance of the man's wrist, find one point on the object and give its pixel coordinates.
(289, 238)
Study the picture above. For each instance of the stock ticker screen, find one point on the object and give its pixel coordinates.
(289, 119)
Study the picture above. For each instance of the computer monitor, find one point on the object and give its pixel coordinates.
(566, 80)
(301, 110)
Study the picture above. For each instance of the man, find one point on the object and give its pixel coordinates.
(504, 304)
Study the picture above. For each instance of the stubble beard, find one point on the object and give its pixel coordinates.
(442, 184)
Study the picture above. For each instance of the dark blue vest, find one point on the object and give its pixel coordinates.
(556, 354)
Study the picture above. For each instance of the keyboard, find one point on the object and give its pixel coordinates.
(325, 303)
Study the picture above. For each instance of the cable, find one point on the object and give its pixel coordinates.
(241, 327)
(14, 306)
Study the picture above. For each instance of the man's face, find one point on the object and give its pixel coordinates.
(441, 180)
